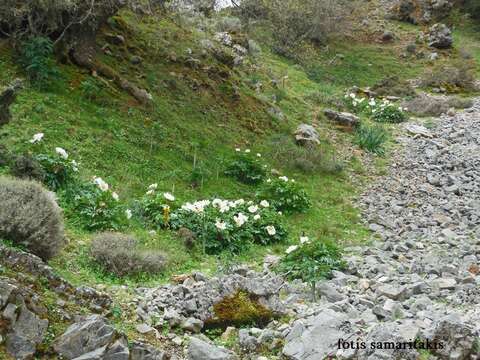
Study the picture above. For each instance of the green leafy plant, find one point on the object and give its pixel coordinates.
(91, 89)
(285, 195)
(246, 168)
(389, 113)
(58, 170)
(311, 261)
(371, 138)
(155, 207)
(36, 58)
(95, 209)
(221, 225)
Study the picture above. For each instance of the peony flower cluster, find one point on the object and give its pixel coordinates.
(304, 240)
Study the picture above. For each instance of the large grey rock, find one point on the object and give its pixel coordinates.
(201, 350)
(320, 339)
(89, 334)
(26, 334)
(342, 118)
(459, 339)
(440, 36)
(6, 290)
(306, 135)
(142, 351)
(118, 350)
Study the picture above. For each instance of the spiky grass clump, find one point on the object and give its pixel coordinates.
(371, 138)
(30, 217)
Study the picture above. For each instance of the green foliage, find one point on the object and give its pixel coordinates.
(154, 207)
(36, 58)
(311, 261)
(121, 255)
(371, 138)
(473, 8)
(246, 168)
(59, 171)
(93, 208)
(91, 89)
(240, 309)
(389, 113)
(230, 225)
(30, 217)
(285, 195)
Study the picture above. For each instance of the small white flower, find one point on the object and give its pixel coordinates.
(259, 155)
(253, 209)
(220, 225)
(102, 185)
(283, 178)
(169, 196)
(304, 240)
(293, 180)
(256, 217)
(61, 152)
(128, 214)
(280, 213)
(247, 151)
(37, 138)
(153, 186)
(152, 233)
(291, 249)
(237, 150)
(352, 95)
(240, 202)
(240, 219)
(115, 196)
(269, 180)
(74, 166)
(150, 192)
(271, 230)
(264, 203)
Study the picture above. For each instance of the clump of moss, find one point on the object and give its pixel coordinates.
(238, 310)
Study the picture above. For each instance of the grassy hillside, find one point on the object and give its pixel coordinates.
(199, 114)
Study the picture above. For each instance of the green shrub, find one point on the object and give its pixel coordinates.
(246, 168)
(36, 58)
(121, 255)
(389, 113)
(155, 207)
(94, 208)
(30, 217)
(311, 261)
(285, 195)
(91, 89)
(220, 225)
(371, 138)
(58, 170)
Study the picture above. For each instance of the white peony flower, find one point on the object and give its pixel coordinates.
(169, 196)
(102, 185)
(280, 213)
(237, 150)
(247, 151)
(283, 178)
(269, 180)
(240, 202)
(291, 249)
(240, 219)
(220, 225)
(115, 196)
(128, 214)
(271, 230)
(150, 192)
(253, 209)
(217, 202)
(61, 152)
(37, 138)
(304, 240)
(256, 217)
(153, 186)
(264, 203)
(259, 155)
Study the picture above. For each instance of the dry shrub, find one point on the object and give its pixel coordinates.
(308, 160)
(425, 105)
(456, 77)
(121, 255)
(30, 217)
(393, 86)
(294, 22)
(26, 167)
